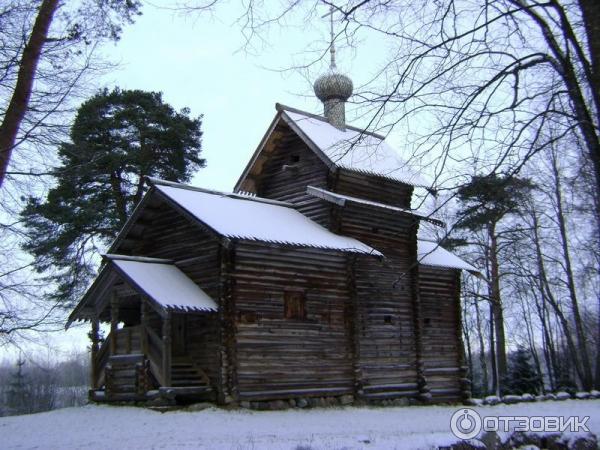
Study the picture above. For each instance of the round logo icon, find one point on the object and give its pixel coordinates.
(465, 423)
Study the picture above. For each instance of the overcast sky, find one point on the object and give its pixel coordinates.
(198, 61)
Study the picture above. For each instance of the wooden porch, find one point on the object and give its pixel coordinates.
(162, 336)
(137, 363)
(145, 354)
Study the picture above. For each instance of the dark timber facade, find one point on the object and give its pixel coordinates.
(290, 321)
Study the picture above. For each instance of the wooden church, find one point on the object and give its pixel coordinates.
(308, 285)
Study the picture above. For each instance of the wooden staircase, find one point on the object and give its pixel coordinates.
(188, 382)
(136, 371)
(184, 373)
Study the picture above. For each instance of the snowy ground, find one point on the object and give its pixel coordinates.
(100, 427)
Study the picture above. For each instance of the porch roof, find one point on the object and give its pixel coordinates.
(432, 254)
(164, 283)
(167, 287)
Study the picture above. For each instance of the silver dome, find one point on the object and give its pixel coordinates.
(333, 85)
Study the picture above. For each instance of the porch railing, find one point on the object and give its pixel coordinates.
(155, 352)
(138, 339)
(101, 360)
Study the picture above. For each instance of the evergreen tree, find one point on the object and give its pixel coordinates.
(117, 139)
(17, 396)
(486, 201)
(522, 378)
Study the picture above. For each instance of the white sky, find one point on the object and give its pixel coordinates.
(197, 61)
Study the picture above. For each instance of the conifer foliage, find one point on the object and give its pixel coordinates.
(485, 202)
(522, 378)
(118, 138)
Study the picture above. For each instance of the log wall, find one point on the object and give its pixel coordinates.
(290, 168)
(371, 187)
(283, 358)
(441, 332)
(384, 307)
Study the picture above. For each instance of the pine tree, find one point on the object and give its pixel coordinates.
(17, 396)
(522, 378)
(485, 202)
(117, 139)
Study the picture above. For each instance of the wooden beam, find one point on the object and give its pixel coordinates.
(94, 352)
(465, 382)
(166, 339)
(228, 389)
(352, 321)
(114, 320)
(424, 392)
(144, 325)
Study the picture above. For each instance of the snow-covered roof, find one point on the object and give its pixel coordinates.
(341, 200)
(354, 149)
(251, 218)
(164, 283)
(432, 254)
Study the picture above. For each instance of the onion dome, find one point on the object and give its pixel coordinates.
(333, 85)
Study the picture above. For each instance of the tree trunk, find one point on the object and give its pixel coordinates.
(547, 296)
(587, 379)
(482, 358)
(22, 93)
(597, 381)
(120, 203)
(590, 12)
(467, 339)
(547, 345)
(531, 339)
(496, 302)
(494, 359)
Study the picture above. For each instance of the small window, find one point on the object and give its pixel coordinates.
(375, 230)
(387, 319)
(427, 322)
(294, 304)
(294, 158)
(247, 317)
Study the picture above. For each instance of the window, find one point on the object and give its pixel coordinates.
(294, 159)
(387, 319)
(247, 317)
(294, 304)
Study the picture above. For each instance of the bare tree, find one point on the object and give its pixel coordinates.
(44, 52)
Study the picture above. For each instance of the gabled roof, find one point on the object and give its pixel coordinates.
(341, 200)
(167, 287)
(351, 149)
(431, 253)
(250, 218)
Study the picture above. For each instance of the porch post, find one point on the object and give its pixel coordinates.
(144, 325)
(114, 320)
(94, 353)
(166, 338)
